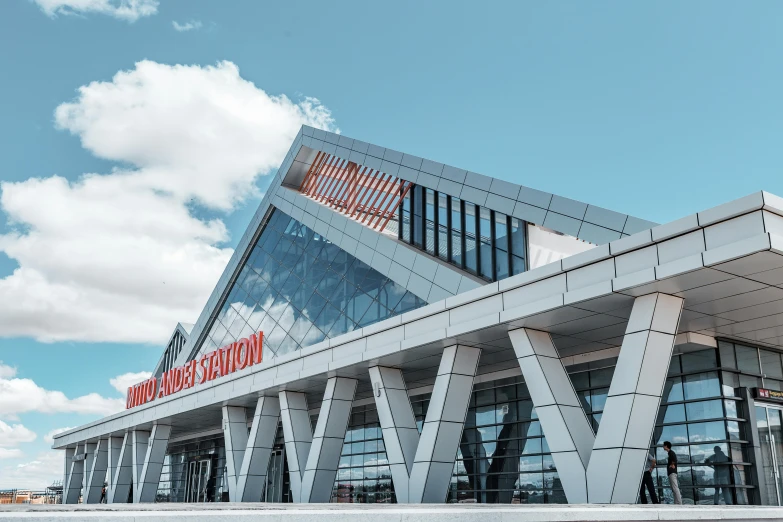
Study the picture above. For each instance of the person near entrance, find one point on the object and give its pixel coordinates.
(721, 473)
(647, 480)
(103, 494)
(671, 471)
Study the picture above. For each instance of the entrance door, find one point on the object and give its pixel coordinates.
(274, 477)
(770, 429)
(198, 478)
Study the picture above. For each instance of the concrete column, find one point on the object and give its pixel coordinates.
(606, 468)
(120, 466)
(149, 450)
(398, 424)
(96, 475)
(313, 461)
(421, 466)
(247, 455)
(298, 435)
(74, 463)
(442, 430)
(632, 403)
(324, 456)
(139, 440)
(568, 431)
(89, 454)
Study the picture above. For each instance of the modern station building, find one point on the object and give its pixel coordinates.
(392, 329)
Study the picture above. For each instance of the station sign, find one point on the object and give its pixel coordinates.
(768, 395)
(217, 363)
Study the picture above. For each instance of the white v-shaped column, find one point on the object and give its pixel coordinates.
(421, 466)
(313, 458)
(120, 468)
(247, 455)
(149, 450)
(96, 473)
(607, 467)
(74, 474)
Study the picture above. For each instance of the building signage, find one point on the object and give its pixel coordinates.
(217, 363)
(768, 395)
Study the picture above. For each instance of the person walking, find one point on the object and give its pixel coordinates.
(671, 470)
(103, 494)
(647, 480)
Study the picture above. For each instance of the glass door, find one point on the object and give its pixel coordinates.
(274, 476)
(197, 480)
(770, 429)
(190, 488)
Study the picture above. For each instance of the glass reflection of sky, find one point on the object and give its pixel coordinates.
(299, 288)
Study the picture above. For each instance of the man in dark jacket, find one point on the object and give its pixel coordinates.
(671, 471)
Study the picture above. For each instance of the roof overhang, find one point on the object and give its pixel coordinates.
(727, 264)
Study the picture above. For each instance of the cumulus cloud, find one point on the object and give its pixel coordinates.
(35, 474)
(49, 437)
(187, 26)
(14, 434)
(128, 10)
(121, 383)
(24, 395)
(124, 256)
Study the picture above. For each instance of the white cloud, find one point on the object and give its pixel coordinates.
(14, 434)
(122, 382)
(10, 453)
(187, 26)
(122, 256)
(128, 10)
(6, 371)
(35, 474)
(49, 437)
(24, 395)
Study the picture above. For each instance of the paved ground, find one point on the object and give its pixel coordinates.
(247, 512)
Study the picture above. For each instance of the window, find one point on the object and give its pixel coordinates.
(457, 237)
(443, 227)
(501, 246)
(485, 243)
(471, 236)
(482, 241)
(299, 288)
(430, 224)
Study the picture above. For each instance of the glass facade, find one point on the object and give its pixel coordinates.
(700, 415)
(299, 288)
(364, 475)
(193, 472)
(481, 241)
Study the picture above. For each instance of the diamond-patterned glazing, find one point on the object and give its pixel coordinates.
(299, 288)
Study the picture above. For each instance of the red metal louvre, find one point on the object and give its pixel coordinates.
(368, 196)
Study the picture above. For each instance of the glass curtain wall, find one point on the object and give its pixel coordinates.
(477, 239)
(299, 288)
(700, 416)
(364, 475)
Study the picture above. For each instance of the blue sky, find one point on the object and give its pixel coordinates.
(656, 109)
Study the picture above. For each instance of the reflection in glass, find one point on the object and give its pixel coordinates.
(299, 288)
(701, 385)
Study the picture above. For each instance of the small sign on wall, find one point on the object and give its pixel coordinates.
(768, 395)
